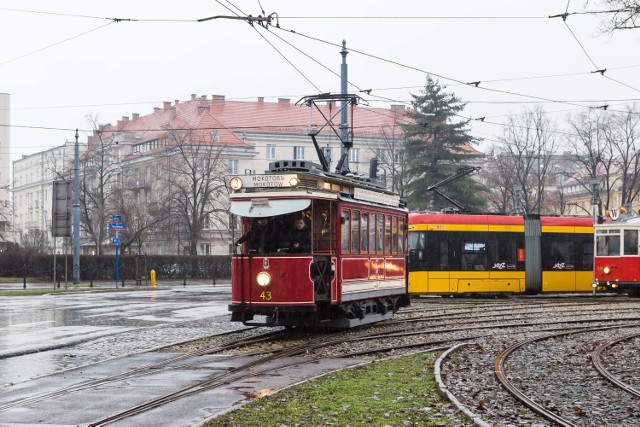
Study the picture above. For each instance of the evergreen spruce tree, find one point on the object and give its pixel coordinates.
(436, 147)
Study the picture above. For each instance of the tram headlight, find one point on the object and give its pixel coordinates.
(294, 182)
(235, 183)
(606, 270)
(263, 278)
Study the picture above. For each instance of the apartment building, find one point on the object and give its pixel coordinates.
(143, 165)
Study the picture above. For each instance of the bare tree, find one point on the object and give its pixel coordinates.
(32, 240)
(619, 14)
(591, 150)
(390, 155)
(137, 214)
(497, 174)
(623, 136)
(99, 171)
(197, 192)
(530, 143)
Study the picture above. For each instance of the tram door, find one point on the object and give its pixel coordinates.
(323, 240)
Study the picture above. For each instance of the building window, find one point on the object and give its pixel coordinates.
(271, 151)
(233, 167)
(298, 153)
(354, 155)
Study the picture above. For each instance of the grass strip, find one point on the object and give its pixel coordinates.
(393, 392)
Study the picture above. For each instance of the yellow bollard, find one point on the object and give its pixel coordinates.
(152, 274)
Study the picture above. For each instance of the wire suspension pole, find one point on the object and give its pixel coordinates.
(344, 125)
(76, 214)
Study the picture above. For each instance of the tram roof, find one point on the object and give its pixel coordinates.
(442, 218)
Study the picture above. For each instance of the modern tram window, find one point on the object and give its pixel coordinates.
(345, 220)
(474, 255)
(417, 246)
(559, 251)
(608, 244)
(586, 255)
(630, 242)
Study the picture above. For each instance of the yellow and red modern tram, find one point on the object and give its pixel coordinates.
(467, 254)
(355, 270)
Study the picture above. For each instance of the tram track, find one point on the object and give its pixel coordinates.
(601, 367)
(135, 372)
(547, 375)
(491, 328)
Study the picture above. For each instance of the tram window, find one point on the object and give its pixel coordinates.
(562, 255)
(587, 254)
(444, 255)
(387, 234)
(372, 233)
(322, 225)
(401, 234)
(474, 256)
(345, 229)
(608, 245)
(416, 240)
(394, 235)
(364, 224)
(355, 232)
(631, 242)
(380, 233)
(417, 245)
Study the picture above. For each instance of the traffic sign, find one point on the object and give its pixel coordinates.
(116, 226)
(116, 218)
(116, 240)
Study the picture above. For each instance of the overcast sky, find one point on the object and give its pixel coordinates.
(59, 69)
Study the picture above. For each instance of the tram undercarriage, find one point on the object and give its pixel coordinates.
(322, 314)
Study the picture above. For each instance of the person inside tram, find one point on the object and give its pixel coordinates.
(299, 238)
(258, 237)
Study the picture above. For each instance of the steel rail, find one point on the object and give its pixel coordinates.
(501, 374)
(596, 360)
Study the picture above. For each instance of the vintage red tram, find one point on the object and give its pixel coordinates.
(617, 259)
(355, 269)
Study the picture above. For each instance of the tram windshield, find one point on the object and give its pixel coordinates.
(608, 243)
(287, 233)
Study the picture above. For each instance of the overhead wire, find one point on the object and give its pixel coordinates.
(56, 44)
(272, 45)
(597, 70)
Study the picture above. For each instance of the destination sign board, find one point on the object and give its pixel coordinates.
(269, 181)
(376, 197)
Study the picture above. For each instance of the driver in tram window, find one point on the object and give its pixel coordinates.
(299, 237)
(259, 236)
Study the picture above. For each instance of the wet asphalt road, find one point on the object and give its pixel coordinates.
(49, 342)
(43, 334)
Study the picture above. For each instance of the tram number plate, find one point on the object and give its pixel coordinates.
(266, 296)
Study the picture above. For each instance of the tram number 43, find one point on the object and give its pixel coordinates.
(266, 296)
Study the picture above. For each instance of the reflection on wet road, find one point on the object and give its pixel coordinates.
(44, 334)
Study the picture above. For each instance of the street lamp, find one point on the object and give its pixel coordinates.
(517, 194)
